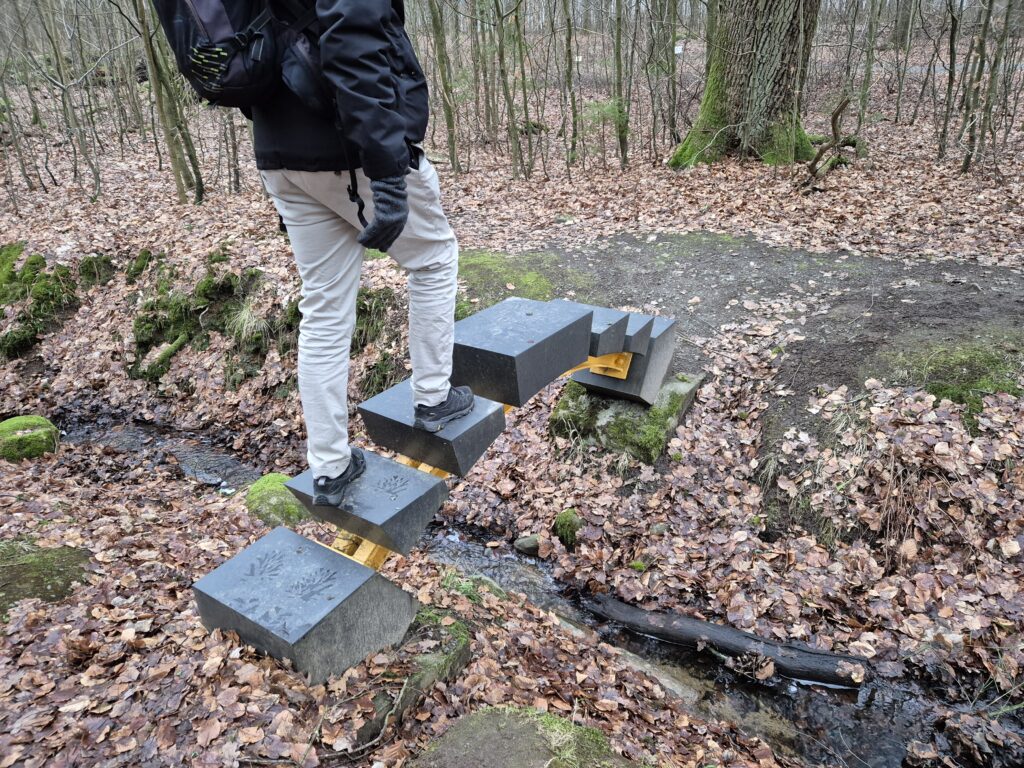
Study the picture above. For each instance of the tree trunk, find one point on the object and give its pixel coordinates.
(751, 96)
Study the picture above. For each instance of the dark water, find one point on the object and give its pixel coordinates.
(869, 728)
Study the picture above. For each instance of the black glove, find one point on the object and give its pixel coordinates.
(390, 212)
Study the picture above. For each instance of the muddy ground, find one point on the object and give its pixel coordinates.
(874, 310)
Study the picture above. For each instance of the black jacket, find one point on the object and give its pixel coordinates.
(380, 91)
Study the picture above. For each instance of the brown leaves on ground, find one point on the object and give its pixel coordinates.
(123, 673)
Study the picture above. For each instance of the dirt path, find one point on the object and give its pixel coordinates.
(875, 310)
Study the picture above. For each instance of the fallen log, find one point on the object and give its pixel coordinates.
(790, 659)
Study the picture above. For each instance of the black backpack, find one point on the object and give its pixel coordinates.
(226, 50)
(231, 51)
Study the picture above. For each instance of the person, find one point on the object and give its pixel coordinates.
(320, 170)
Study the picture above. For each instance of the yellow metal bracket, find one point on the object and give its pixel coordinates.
(615, 365)
(422, 467)
(361, 550)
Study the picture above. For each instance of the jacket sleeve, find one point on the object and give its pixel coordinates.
(354, 49)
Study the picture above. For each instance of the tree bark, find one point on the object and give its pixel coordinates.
(790, 659)
(758, 53)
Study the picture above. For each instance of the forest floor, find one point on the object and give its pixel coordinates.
(818, 491)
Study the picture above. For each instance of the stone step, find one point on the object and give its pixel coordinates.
(389, 505)
(295, 599)
(638, 334)
(646, 372)
(389, 421)
(509, 352)
(607, 329)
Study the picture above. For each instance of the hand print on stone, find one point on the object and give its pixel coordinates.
(313, 584)
(392, 486)
(267, 565)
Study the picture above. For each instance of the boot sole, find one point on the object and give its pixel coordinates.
(436, 425)
(322, 500)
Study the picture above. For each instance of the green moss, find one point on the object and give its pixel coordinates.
(574, 746)
(645, 434)
(469, 586)
(638, 565)
(708, 139)
(967, 372)
(28, 571)
(218, 256)
(575, 414)
(787, 143)
(271, 502)
(488, 274)
(464, 307)
(9, 256)
(49, 292)
(138, 265)
(372, 254)
(27, 437)
(567, 525)
(433, 617)
(375, 308)
(95, 269)
(173, 319)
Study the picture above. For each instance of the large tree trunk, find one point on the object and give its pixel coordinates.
(756, 66)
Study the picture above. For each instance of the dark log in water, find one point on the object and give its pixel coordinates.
(790, 659)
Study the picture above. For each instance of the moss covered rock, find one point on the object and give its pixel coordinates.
(27, 437)
(515, 737)
(567, 525)
(272, 503)
(624, 426)
(28, 571)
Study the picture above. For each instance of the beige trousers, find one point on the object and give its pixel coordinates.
(323, 225)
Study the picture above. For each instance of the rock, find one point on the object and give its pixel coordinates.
(624, 426)
(442, 665)
(659, 529)
(513, 737)
(27, 437)
(528, 545)
(27, 571)
(270, 501)
(296, 599)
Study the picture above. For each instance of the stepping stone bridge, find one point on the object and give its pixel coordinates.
(327, 608)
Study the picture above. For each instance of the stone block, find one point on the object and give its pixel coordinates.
(638, 334)
(389, 421)
(292, 598)
(511, 351)
(389, 505)
(646, 372)
(607, 328)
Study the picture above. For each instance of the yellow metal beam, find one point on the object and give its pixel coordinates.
(615, 365)
(422, 467)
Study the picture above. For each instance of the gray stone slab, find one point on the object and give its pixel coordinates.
(389, 421)
(638, 334)
(389, 505)
(646, 372)
(511, 351)
(292, 598)
(607, 329)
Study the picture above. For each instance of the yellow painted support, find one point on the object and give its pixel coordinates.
(371, 555)
(361, 550)
(422, 467)
(346, 543)
(615, 365)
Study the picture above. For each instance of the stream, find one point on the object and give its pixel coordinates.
(866, 728)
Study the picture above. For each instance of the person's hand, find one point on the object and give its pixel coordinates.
(390, 212)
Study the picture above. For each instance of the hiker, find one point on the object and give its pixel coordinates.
(320, 170)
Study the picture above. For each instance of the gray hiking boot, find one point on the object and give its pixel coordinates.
(432, 418)
(330, 491)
